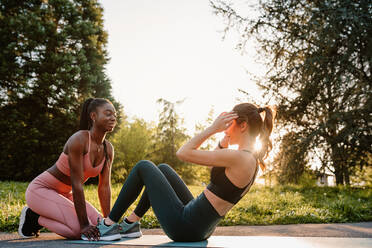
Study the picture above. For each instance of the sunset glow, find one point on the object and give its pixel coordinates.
(159, 50)
(257, 145)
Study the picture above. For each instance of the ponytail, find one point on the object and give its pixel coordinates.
(250, 113)
(85, 120)
(264, 135)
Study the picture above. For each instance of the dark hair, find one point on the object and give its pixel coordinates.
(86, 122)
(89, 106)
(250, 113)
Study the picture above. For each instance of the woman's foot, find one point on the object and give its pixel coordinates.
(130, 230)
(107, 233)
(28, 224)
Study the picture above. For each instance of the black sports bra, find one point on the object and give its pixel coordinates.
(221, 186)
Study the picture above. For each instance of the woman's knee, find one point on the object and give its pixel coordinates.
(144, 164)
(164, 166)
(75, 230)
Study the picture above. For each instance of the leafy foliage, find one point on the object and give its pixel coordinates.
(137, 140)
(132, 143)
(319, 59)
(290, 160)
(202, 173)
(169, 135)
(53, 57)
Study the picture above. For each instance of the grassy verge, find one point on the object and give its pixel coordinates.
(261, 206)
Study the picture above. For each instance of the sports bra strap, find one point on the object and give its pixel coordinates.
(88, 142)
(251, 182)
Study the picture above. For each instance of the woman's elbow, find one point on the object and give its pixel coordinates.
(77, 188)
(180, 154)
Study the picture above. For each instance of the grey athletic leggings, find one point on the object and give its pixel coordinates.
(182, 217)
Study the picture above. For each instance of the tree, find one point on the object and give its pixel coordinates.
(133, 142)
(199, 127)
(52, 57)
(169, 136)
(362, 176)
(319, 59)
(202, 173)
(290, 166)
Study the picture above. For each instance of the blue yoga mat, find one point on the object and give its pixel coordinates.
(242, 241)
(146, 240)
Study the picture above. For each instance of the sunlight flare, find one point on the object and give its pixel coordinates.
(257, 145)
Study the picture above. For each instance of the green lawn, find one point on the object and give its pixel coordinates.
(261, 206)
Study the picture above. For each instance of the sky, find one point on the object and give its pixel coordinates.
(173, 49)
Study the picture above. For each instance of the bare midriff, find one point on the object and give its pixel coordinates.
(221, 206)
(59, 175)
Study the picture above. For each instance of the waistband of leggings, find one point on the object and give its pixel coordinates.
(47, 180)
(209, 204)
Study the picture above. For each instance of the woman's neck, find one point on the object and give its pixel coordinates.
(97, 136)
(246, 143)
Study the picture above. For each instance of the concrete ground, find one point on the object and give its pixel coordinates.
(348, 235)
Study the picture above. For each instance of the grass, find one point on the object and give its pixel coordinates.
(261, 206)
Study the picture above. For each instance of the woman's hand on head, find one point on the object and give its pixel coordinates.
(91, 232)
(224, 121)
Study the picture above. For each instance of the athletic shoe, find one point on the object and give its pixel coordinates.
(130, 230)
(28, 224)
(107, 233)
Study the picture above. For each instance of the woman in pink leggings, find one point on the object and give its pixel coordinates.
(55, 198)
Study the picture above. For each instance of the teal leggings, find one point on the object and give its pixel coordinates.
(182, 217)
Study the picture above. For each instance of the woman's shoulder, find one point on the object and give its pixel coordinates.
(109, 145)
(110, 148)
(80, 135)
(79, 138)
(246, 159)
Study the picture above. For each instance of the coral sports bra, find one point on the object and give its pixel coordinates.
(89, 171)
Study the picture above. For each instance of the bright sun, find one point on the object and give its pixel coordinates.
(258, 145)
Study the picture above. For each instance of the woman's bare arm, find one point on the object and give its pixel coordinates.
(104, 185)
(221, 157)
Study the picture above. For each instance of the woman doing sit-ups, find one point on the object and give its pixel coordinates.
(183, 217)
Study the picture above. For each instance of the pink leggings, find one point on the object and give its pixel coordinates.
(53, 201)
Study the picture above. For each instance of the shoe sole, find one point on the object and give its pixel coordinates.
(106, 238)
(22, 219)
(132, 235)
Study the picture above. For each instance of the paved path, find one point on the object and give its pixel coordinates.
(353, 234)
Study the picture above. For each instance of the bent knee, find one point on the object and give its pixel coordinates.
(145, 163)
(163, 166)
(67, 232)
